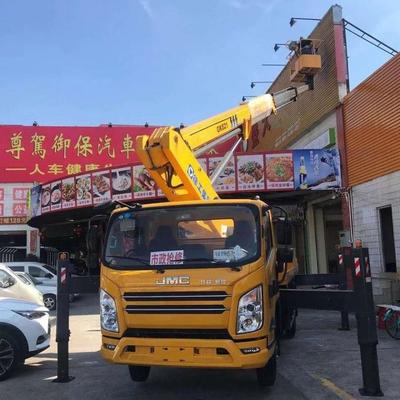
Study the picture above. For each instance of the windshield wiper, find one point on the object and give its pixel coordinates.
(212, 261)
(142, 260)
(158, 268)
(205, 259)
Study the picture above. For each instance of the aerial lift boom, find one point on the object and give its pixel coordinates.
(170, 154)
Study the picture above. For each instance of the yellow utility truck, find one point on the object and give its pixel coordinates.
(194, 281)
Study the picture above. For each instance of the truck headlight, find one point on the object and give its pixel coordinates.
(108, 312)
(250, 311)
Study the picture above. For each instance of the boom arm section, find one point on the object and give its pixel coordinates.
(170, 154)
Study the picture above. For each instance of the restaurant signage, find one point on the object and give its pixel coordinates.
(258, 172)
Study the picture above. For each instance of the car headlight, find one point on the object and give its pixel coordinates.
(108, 312)
(250, 311)
(31, 314)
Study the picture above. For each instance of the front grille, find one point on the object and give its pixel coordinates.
(177, 309)
(177, 333)
(176, 296)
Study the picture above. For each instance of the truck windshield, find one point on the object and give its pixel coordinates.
(177, 237)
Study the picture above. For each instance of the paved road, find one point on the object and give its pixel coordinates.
(319, 363)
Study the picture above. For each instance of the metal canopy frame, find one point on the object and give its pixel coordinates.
(355, 30)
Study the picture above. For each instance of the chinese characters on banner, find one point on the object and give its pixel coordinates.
(13, 202)
(166, 257)
(35, 153)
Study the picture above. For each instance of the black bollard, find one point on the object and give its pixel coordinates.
(62, 334)
(344, 314)
(366, 322)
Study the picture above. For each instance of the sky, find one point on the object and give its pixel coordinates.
(164, 62)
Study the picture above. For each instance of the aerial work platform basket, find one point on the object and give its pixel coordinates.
(306, 60)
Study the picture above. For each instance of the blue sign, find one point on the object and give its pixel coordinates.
(317, 169)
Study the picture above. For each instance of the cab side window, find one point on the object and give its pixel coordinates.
(37, 272)
(268, 235)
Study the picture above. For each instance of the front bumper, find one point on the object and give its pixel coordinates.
(206, 353)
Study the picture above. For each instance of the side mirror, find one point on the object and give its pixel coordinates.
(284, 255)
(94, 233)
(283, 232)
(49, 276)
(92, 238)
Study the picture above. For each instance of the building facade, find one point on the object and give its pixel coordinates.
(314, 121)
(372, 135)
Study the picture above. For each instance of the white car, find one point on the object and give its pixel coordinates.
(49, 292)
(24, 332)
(42, 272)
(12, 286)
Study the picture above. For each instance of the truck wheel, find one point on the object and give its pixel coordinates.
(10, 355)
(139, 373)
(291, 331)
(266, 376)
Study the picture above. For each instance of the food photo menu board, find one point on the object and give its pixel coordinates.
(55, 196)
(250, 172)
(226, 181)
(279, 171)
(144, 186)
(257, 172)
(68, 193)
(121, 183)
(101, 187)
(83, 187)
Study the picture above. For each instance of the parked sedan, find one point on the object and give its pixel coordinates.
(24, 332)
(49, 292)
(42, 272)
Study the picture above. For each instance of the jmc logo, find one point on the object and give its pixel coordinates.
(174, 280)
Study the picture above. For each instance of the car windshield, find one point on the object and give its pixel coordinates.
(24, 279)
(183, 236)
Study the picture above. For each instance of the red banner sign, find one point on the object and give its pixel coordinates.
(36, 153)
(44, 153)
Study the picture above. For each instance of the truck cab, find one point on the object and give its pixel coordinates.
(191, 284)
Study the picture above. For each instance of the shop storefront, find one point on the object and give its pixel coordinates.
(31, 154)
(61, 208)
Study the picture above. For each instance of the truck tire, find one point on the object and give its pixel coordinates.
(290, 332)
(266, 375)
(10, 355)
(139, 373)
